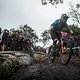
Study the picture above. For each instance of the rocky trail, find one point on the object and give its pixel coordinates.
(42, 70)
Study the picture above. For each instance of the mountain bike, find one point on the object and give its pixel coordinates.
(64, 48)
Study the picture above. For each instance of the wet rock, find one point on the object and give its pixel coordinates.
(25, 60)
(39, 57)
(9, 63)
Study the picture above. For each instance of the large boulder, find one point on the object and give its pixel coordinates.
(40, 49)
(39, 57)
(25, 60)
(9, 63)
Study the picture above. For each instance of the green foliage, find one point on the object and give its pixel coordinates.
(53, 2)
(75, 29)
(45, 37)
(26, 31)
(75, 12)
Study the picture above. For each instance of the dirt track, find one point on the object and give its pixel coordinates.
(46, 71)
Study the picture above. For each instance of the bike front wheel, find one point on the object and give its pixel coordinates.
(51, 56)
(65, 53)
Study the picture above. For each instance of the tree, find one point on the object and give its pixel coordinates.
(12, 30)
(53, 2)
(75, 29)
(75, 12)
(26, 31)
(45, 37)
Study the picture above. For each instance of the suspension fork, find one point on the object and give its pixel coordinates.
(62, 46)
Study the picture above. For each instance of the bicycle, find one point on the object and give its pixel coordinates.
(65, 48)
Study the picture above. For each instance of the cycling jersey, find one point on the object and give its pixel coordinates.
(57, 25)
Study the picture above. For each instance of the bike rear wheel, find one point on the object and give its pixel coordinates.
(51, 56)
(65, 55)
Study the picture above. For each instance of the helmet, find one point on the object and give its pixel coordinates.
(64, 16)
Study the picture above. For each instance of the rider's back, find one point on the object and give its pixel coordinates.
(58, 25)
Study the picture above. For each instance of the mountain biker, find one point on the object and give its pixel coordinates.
(59, 25)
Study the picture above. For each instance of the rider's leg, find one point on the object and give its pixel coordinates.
(54, 37)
